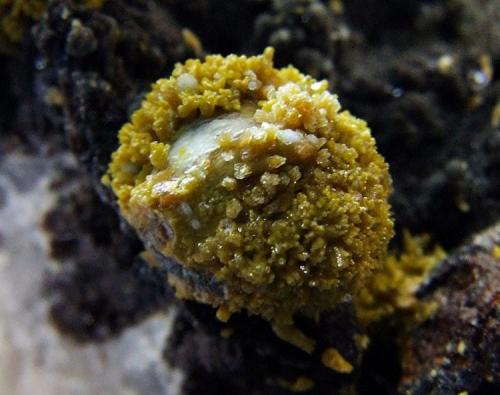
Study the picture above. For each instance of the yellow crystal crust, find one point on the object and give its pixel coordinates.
(255, 175)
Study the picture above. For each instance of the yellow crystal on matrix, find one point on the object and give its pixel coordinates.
(254, 175)
(390, 293)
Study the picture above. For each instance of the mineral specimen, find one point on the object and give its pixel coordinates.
(254, 185)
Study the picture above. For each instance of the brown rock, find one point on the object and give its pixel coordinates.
(458, 348)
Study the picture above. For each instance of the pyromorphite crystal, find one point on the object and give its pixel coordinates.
(332, 359)
(254, 176)
(390, 293)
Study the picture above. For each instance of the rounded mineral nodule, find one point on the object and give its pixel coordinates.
(253, 177)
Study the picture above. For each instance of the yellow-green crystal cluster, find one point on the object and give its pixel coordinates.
(391, 291)
(291, 215)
